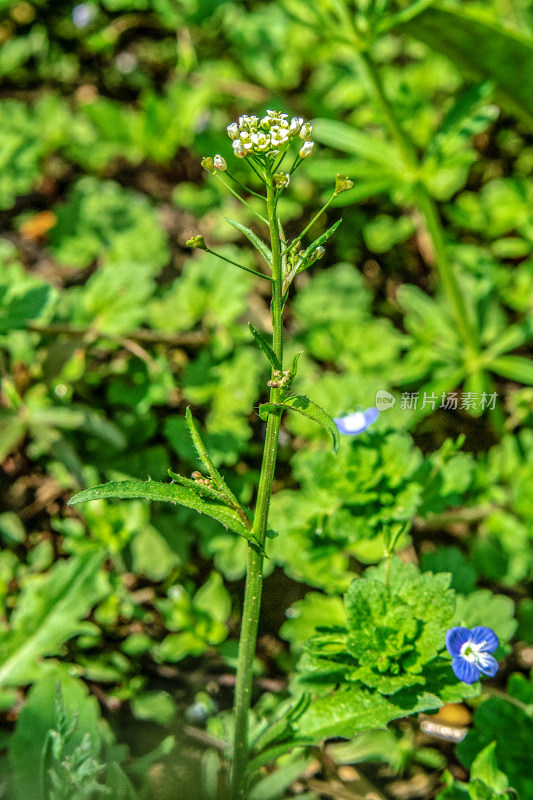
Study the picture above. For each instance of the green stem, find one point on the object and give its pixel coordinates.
(236, 264)
(254, 574)
(309, 226)
(428, 209)
(242, 200)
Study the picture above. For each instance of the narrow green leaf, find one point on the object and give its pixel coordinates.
(12, 429)
(274, 785)
(205, 458)
(252, 237)
(343, 137)
(274, 752)
(265, 347)
(306, 408)
(516, 368)
(512, 337)
(200, 489)
(294, 366)
(458, 119)
(166, 493)
(320, 241)
(390, 21)
(483, 49)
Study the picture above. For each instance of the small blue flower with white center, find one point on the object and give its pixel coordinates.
(357, 422)
(470, 651)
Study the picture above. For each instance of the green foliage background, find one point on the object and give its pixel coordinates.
(110, 327)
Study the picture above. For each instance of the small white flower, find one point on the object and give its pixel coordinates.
(239, 149)
(278, 136)
(260, 141)
(306, 149)
(296, 125)
(220, 162)
(233, 130)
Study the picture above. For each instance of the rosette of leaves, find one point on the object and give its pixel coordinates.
(395, 626)
(346, 501)
(380, 660)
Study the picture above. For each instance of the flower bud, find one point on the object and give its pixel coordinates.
(282, 179)
(342, 184)
(296, 125)
(233, 130)
(317, 253)
(306, 149)
(220, 162)
(305, 131)
(198, 242)
(239, 149)
(208, 164)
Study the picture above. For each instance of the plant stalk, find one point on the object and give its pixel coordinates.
(254, 573)
(428, 209)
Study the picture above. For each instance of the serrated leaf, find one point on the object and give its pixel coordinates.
(308, 409)
(352, 709)
(166, 493)
(265, 347)
(483, 49)
(252, 237)
(516, 368)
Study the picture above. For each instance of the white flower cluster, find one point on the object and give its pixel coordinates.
(265, 137)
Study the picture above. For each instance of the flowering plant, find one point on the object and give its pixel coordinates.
(383, 661)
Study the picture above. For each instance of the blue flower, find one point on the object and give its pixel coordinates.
(356, 423)
(470, 651)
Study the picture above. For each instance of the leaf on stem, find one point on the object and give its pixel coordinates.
(167, 493)
(205, 458)
(319, 242)
(265, 347)
(252, 237)
(302, 405)
(202, 490)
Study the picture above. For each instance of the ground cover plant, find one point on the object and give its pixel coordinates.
(269, 262)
